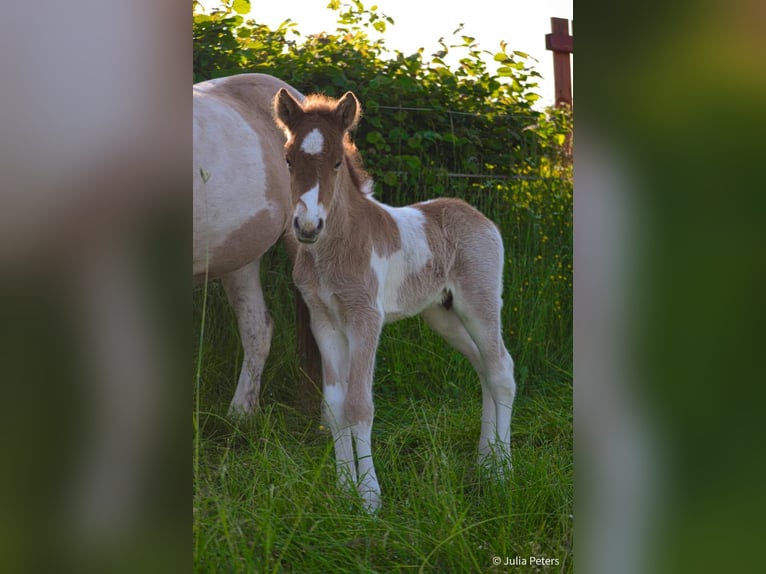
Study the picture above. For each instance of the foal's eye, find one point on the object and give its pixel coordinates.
(337, 165)
(289, 163)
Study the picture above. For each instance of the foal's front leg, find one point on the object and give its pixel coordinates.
(363, 333)
(333, 348)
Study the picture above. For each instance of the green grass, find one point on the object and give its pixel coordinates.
(265, 490)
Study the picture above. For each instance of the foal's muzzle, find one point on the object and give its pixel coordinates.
(307, 235)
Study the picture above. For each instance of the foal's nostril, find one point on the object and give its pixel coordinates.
(295, 222)
(320, 225)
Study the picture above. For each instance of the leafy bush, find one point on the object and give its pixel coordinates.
(423, 120)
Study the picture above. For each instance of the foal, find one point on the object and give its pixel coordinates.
(361, 264)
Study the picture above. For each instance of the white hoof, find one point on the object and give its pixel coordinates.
(369, 490)
(371, 501)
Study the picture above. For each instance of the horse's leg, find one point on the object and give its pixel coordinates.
(446, 323)
(478, 306)
(243, 289)
(363, 333)
(333, 348)
(499, 388)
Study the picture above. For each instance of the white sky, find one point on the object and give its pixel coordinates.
(420, 23)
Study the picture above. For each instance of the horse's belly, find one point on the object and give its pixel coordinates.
(234, 219)
(406, 291)
(415, 306)
(238, 247)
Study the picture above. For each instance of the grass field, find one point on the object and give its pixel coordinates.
(265, 491)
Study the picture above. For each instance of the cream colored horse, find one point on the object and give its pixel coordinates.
(241, 205)
(361, 264)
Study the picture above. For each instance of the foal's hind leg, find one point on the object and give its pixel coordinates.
(243, 288)
(479, 313)
(449, 325)
(446, 323)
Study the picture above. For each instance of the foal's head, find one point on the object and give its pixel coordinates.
(316, 145)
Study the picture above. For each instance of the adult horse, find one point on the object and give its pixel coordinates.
(241, 205)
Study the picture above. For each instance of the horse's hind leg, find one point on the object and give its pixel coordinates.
(479, 313)
(446, 323)
(243, 288)
(449, 325)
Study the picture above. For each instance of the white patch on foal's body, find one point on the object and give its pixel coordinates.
(367, 187)
(393, 271)
(313, 143)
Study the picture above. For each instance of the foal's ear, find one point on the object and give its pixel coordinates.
(286, 109)
(348, 111)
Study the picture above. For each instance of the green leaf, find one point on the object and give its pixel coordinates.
(415, 142)
(412, 162)
(241, 6)
(389, 178)
(374, 138)
(521, 54)
(451, 138)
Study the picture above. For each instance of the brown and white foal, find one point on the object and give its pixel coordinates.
(361, 264)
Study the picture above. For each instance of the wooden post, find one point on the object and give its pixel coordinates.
(310, 361)
(561, 44)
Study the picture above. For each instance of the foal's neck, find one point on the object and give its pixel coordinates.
(349, 216)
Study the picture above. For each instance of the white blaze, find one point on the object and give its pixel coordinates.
(313, 143)
(309, 210)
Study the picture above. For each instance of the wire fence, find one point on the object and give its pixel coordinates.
(407, 148)
(456, 113)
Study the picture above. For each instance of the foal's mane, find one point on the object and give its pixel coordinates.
(324, 106)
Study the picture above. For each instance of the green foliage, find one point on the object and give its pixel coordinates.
(424, 120)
